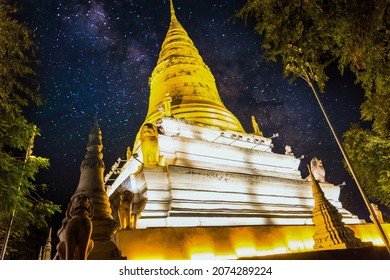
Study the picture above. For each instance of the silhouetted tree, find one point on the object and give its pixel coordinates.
(18, 166)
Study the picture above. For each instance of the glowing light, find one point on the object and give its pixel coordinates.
(245, 252)
(296, 245)
(308, 243)
(202, 256)
(376, 241)
(225, 257)
(274, 251)
(141, 256)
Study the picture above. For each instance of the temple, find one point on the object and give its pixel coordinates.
(200, 187)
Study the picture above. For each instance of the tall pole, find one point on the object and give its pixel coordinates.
(350, 166)
(12, 216)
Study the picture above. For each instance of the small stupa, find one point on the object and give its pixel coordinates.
(330, 230)
(91, 184)
(47, 250)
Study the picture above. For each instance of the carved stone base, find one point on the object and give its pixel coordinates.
(103, 229)
(330, 230)
(329, 239)
(104, 247)
(105, 250)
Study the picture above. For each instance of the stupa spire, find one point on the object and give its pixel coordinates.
(40, 254)
(186, 81)
(91, 181)
(172, 8)
(47, 251)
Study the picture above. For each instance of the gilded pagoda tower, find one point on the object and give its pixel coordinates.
(182, 79)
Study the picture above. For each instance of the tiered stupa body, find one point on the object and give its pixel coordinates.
(208, 174)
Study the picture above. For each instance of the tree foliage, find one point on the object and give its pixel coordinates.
(308, 36)
(373, 152)
(18, 167)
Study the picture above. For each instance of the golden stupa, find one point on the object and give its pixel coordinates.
(183, 86)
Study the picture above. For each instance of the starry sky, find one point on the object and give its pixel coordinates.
(97, 55)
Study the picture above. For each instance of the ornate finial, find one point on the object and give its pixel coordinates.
(256, 129)
(171, 6)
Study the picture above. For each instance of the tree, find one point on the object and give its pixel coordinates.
(18, 167)
(308, 37)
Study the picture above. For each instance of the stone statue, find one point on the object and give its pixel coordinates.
(377, 213)
(167, 105)
(130, 208)
(288, 151)
(124, 211)
(256, 129)
(149, 145)
(128, 153)
(138, 205)
(75, 233)
(317, 169)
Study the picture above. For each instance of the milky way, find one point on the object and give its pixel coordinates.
(96, 59)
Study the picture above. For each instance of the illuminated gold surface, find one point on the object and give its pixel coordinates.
(182, 75)
(225, 242)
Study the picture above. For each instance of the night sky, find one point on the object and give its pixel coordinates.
(96, 57)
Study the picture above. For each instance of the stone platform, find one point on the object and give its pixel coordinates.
(211, 243)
